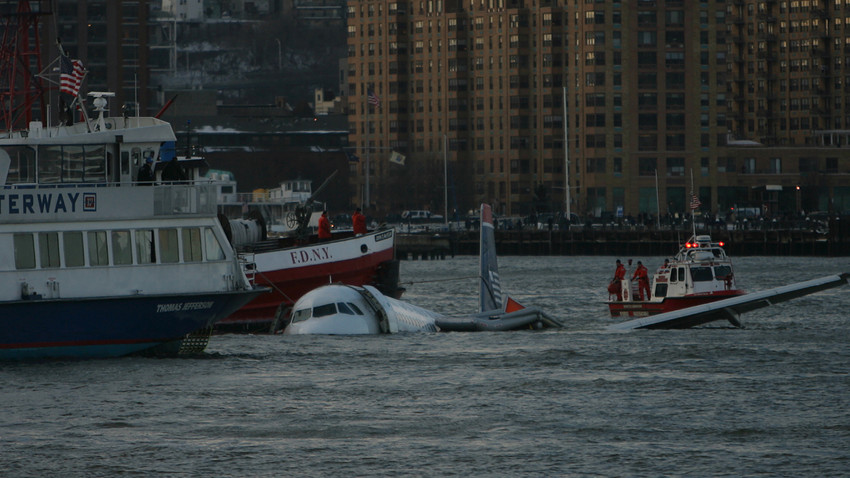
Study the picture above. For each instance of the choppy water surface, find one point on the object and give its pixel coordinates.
(771, 399)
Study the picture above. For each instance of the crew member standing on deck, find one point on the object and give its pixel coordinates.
(616, 286)
(146, 175)
(324, 226)
(643, 280)
(358, 222)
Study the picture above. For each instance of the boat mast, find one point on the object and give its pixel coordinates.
(691, 205)
(657, 202)
(566, 161)
(446, 179)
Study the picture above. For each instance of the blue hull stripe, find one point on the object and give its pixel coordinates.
(108, 327)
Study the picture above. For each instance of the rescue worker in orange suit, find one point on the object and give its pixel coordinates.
(324, 227)
(643, 280)
(358, 222)
(616, 286)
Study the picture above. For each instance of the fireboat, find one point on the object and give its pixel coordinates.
(699, 273)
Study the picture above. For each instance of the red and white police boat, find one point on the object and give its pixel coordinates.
(700, 273)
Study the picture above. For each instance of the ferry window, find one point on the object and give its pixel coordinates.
(145, 251)
(136, 156)
(301, 315)
(50, 164)
(125, 163)
(169, 251)
(73, 246)
(355, 308)
(24, 251)
(682, 274)
(721, 272)
(701, 274)
(674, 276)
(343, 309)
(214, 251)
(323, 310)
(21, 164)
(660, 290)
(121, 252)
(192, 245)
(73, 163)
(94, 169)
(98, 252)
(48, 249)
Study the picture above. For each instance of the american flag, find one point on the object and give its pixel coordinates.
(373, 99)
(71, 75)
(695, 203)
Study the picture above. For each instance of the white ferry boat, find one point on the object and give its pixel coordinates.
(96, 264)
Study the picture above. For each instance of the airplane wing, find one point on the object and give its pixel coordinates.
(731, 309)
(496, 320)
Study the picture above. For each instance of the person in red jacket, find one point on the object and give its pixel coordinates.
(643, 280)
(324, 226)
(358, 222)
(616, 286)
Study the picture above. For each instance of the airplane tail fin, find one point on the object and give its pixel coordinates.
(489, 285)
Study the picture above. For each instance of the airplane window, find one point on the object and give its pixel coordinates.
(300, 315)
(343, 309)
(323, 310)
(355, 308)
(701, 274)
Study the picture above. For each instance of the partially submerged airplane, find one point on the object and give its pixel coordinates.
(732, 308)
(339, 309)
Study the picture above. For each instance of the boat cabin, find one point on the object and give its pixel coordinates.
(700, 267)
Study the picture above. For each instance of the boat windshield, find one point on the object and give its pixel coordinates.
(722, 272)
(701, 274)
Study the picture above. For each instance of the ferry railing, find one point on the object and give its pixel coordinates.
(185, 198)
(249, 266)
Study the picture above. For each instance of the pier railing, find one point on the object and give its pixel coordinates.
(828, 239)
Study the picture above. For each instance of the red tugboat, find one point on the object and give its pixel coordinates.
(294, 261)
(700, 273)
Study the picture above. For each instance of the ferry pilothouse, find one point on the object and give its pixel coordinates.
(699, 273)
(94, 263)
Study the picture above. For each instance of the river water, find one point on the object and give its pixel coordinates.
(771, 399)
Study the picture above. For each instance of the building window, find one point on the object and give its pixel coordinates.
(647, 166)
(675, 167)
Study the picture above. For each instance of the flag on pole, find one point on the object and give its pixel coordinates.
(397, 158)
(71, 74)
(695, 202)
(372, 98)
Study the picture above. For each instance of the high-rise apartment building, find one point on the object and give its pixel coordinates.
(663, 99)
(789, 90)
(110, 37)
